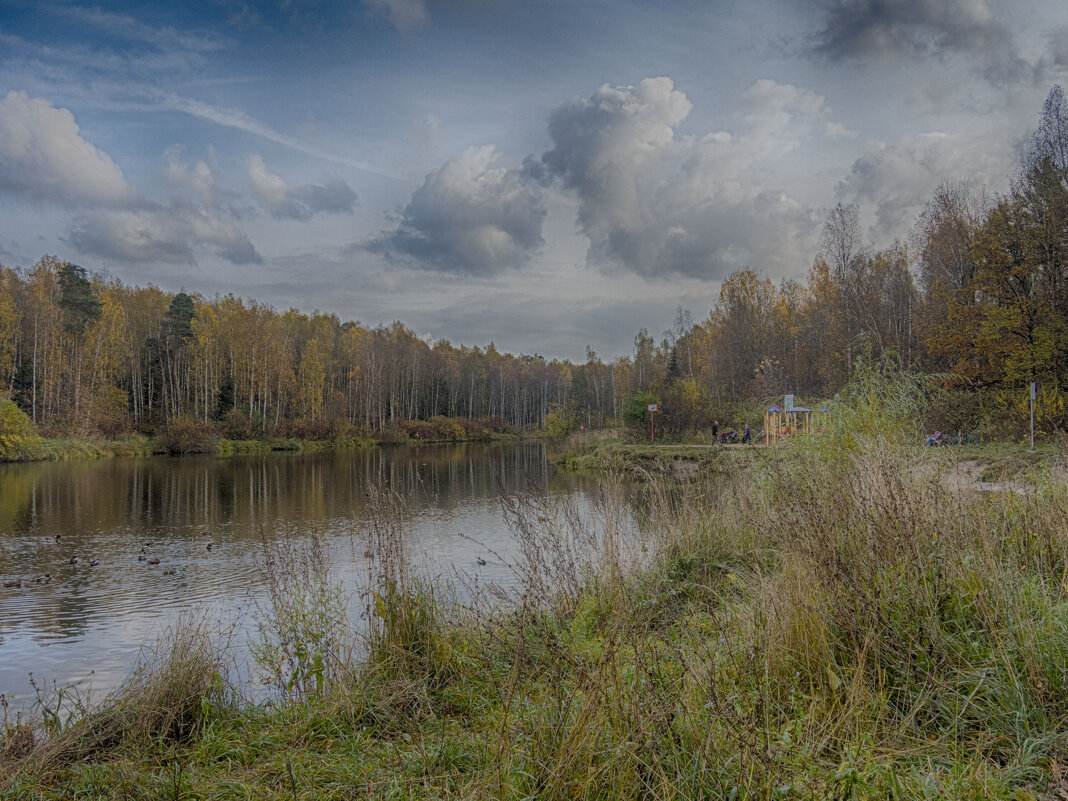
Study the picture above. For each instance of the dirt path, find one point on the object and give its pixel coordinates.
(964, 476)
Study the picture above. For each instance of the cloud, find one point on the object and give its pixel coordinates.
(404, 15)
(470, 217)
(122, 26)
(198, 180)
(157, 233)
(656, 205)
(876, 29)
(422, 131)
(286, 201)
(44, 158)
(235, 118)
(895, 180)
(1059, 46)
(608, 146)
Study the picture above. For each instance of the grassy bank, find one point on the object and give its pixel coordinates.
(61, 448)
(833, 621)
(609, 452)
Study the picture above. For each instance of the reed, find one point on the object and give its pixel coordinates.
(832, 620)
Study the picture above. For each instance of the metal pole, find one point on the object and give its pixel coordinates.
(652, 416)
(1032, 415)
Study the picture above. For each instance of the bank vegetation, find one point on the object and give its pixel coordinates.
(833, 619)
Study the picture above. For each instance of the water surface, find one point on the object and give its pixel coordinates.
(88, 623)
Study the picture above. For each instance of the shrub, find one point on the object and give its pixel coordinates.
(309, 429)
(18, 440)
(392, 434)
(559, 422)
(184, 435)
(236, 425)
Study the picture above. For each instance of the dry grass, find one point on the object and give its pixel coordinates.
(165, 701)
(826, 622)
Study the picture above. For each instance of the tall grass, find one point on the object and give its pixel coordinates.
(830, 620)
(167, 700)
(305, 639)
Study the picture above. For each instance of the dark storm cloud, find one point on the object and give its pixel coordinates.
(469, 217)
(874, 29)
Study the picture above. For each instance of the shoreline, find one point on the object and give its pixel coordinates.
(54, 449)
(773, 637)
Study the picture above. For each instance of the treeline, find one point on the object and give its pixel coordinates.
(82, 353)
(978, 298)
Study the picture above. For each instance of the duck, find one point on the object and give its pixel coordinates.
(153, 561)
(73, 560)
(481, 561)
(141, 556)
(170, 571)
(13, 584)
(47, 577)
(210, 545)
(94, 562)
(58, 536)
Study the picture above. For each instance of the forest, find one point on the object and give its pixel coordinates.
(976, 299)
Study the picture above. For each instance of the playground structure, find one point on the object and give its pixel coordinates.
(779, 423)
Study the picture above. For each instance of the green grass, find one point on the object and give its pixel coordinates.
(823, 622)
(60, 449)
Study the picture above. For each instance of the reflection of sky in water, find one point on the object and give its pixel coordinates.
(93, 620)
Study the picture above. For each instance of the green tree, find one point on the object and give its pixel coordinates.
(178, 324)
(81, 308)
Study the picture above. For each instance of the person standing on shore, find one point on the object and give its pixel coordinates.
(747, 436)
(715, 431)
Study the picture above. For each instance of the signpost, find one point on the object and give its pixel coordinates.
(1032, 415)
(652, 408)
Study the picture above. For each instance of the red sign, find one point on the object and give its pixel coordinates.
(652, 407)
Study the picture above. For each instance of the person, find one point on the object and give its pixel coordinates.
(715, 430)
(747, 436)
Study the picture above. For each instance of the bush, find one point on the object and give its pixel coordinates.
(309, 429)
(18, 440)
(185, 435)
(559, 422)
(236, 425)
(347, 435)
(392, 434)
(436, 429)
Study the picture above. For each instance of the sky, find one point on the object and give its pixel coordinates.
(548, 176)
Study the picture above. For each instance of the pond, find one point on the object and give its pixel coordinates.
(130, 545)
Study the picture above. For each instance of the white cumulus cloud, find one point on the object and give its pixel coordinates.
(44, 158)
(657, 204)
(298, 202)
